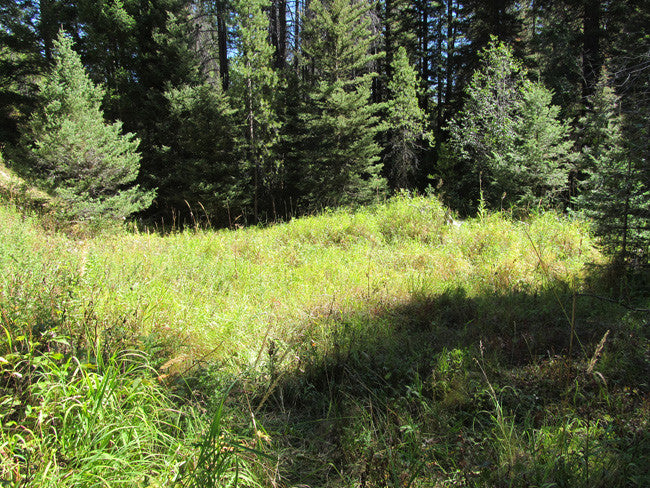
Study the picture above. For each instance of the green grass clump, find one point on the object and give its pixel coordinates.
(390, 346)
(77, 408)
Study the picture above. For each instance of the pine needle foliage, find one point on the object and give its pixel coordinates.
(203, 153)
(508, 137)
(73, 153)
(406, 121)
(255, 85)
(340, 123)
(612, 193)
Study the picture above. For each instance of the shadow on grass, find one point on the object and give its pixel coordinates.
(458, 389)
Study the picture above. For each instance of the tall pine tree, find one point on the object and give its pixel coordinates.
(631, 62)
(341, 163)
(198, 153)
(406, 122)
(612, 194)
(255, 86)
(20, 61)
(202, 154)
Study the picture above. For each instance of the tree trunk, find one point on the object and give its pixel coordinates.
(222, 34)
(439, 84)
(251, 141)
(592, 58)
(451, 42)
(296, 35)
(278, 27)
(388, 34)
(424, 54)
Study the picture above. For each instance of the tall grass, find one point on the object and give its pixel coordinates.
(77, 408)
(228, 287)
(341, 345)
(112, 427)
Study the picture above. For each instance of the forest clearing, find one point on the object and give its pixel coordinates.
(324, 243)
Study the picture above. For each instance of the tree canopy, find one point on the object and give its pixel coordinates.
(267, 109)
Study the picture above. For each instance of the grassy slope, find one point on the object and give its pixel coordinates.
(235, 286)
(377, 348)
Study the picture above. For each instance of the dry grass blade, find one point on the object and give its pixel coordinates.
(597, 352)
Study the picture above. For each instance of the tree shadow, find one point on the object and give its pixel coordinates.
(412, 390)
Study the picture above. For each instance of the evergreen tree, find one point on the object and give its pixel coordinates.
(202, 154)
(406, 122)
(497, 18)
(199, 156)
(508, 137)
(54, 15)
(255, 87)
(20, 61)
(208, 21)
(475, 23)
(399, 21)
(183, 170)
(278, 32)
(554, 45)
(139, 50)
(340, 156)
(612, 195)
(544, 153)
(630, 62)
(73, 153)
(443, 61)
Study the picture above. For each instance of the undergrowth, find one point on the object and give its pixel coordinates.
(392, 346)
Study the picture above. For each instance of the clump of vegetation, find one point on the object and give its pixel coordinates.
(78, 407)
(509, 137)
(386, 345)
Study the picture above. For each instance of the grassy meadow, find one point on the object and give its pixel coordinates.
(389, 346)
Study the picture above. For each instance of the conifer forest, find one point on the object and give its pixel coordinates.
(265, 110)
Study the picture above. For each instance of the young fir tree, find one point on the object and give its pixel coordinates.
(255, 84)
(543, 155)
(73, 153)
(199, 131)
(508, 140)
(629, 61)
(20, 62)
(341, 156)
(400, 24)
(406, 122)
(201, 151)
(611, 194)
(133, 48)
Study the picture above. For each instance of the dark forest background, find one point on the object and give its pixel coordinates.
(251, 111)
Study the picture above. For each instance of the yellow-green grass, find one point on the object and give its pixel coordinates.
(367, 345)
(228, 291)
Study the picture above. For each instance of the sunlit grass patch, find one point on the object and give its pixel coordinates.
(230, 287)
